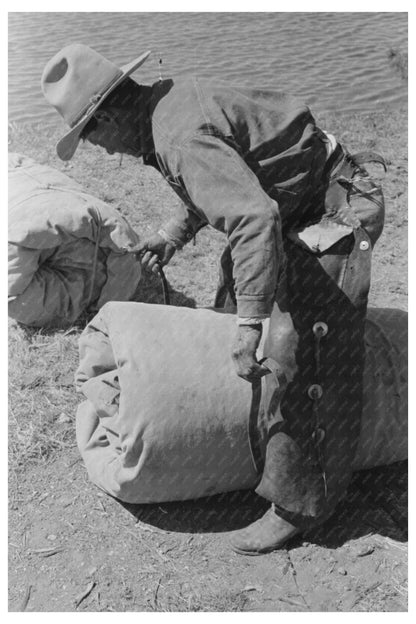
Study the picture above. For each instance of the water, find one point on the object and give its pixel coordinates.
(333, 61)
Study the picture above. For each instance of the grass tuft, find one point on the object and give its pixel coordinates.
(42, 400)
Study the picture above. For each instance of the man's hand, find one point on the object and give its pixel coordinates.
(244, 352)
(154, 251)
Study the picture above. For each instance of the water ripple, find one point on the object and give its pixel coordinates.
(336, 61)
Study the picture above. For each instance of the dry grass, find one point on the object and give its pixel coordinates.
(41, 397)
(166, 599)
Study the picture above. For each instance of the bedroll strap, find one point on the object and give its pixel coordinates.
(352, 184)
(361, 158)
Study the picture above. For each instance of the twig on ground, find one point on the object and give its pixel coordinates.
(72, 330)
(292, 602)
(67, 503)
(26, 598)
(400, 590)
(103, 509)
(391, 542)
(144, 527)
(76, 461)
(85, 594)
(294, 574)
(151, 548)
(155, 594)
(363, 593)
(47, 552)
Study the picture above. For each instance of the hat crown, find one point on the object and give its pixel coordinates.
(75, 78)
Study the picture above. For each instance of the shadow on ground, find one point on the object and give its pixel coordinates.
(151, 290)
(376, 502)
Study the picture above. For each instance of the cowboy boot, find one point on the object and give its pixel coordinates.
(268, 533)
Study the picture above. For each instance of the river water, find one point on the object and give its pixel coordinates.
(333, 61)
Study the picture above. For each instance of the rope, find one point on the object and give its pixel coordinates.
(95, 259)
(165, 286)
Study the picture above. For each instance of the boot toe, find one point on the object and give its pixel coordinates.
(262, 536)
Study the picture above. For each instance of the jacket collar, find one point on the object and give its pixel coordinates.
(151, 97)
(145, 124)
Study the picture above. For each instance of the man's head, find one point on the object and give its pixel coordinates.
(115, 125)
(77, 82)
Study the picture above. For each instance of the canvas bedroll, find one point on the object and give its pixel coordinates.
(67, 249)
(166, 418)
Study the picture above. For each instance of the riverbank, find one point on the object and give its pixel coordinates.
(66, 537)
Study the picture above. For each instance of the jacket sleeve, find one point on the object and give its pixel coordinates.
(224, 192)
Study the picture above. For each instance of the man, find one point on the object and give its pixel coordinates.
(253, 164)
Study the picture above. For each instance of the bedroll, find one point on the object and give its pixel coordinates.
(165, 417)
(67, 249)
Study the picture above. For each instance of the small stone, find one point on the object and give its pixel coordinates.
(51, 538)
(63, 418)
(342, 571)
(367, 550)
(65, 502)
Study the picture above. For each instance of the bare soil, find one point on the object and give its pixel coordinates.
(72, 548)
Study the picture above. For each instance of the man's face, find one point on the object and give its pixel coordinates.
(115, 134)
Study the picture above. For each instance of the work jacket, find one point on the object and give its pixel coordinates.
(246, 161)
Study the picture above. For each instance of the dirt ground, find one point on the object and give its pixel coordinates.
(73, 548)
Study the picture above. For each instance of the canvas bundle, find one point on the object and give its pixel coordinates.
(165, 417)
(67, 249)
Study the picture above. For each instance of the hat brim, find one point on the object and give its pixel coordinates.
(67, 146)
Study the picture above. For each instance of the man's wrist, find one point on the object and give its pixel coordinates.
(252, 320)
(177, 232)
(170, 239)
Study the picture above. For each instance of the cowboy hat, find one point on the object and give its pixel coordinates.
(76, 81)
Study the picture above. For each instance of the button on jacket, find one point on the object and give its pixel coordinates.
(247, 162)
